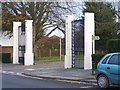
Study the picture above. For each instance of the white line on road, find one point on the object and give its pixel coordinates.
(8, 72)
(29, 69)
(87, 87)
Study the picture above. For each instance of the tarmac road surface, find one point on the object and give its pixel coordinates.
(14, 81)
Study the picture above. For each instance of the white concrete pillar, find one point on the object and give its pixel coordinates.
(29, 57)
(88, 32)
(15, 45)
(68, 56)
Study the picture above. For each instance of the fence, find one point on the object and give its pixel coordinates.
(50, 52)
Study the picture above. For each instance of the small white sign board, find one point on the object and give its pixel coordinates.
(96, 38)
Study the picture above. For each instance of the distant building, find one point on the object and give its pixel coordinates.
(55, 37)
(6, 45)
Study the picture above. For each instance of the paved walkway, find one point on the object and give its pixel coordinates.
(54, 71)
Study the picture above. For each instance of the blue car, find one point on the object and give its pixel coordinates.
(108, 70)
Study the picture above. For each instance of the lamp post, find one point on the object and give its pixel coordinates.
(60, 47)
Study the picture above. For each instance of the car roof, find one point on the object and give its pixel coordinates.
(113, 53)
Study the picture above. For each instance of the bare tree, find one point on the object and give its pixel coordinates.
(45, 15)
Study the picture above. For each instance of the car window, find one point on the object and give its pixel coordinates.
(105, 60)
(119, 59)
(115, 59)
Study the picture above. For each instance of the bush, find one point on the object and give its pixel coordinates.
(113, 45)
(6, 57)
(95, 59)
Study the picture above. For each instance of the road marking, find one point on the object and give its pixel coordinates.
(4, 71)
(29, 69)
(87, 87)
(20, 74)
(11, 72)
(8, 72)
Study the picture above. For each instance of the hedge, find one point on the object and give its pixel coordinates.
(6, 57)
(113, 45)
(95, 59)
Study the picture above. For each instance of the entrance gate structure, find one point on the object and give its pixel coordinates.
(23, 43)
(72, 44)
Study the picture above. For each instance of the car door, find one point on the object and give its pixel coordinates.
(113, 68)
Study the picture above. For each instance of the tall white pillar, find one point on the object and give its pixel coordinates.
(68, 56)
(15, 45)
(88, 33)
(29, 57)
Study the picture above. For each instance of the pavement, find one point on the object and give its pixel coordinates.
(54, 70)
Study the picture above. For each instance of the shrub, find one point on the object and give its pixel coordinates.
(6, 57)
(113, 45)
(95, 59)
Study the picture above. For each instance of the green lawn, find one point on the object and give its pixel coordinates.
(57, 58)
(79, 56)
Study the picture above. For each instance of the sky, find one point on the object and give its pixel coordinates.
(5, 41)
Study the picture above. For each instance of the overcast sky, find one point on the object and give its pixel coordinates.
(5, 41)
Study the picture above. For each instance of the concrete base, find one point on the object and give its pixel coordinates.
(68, 63)
(15, 59)
(29, 58)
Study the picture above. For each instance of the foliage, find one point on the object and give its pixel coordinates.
(45, 15)
(50, 43)
(113, 45)
(105, 23)
(8, 18)
(95, 59)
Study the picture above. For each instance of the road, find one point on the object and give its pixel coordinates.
(11, 80)
(14, 81)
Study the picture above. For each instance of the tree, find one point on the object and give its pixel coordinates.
(116, 5)
(44, 43)
(105, 21)
(50, 42)
(0, 16)
(45, 16)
